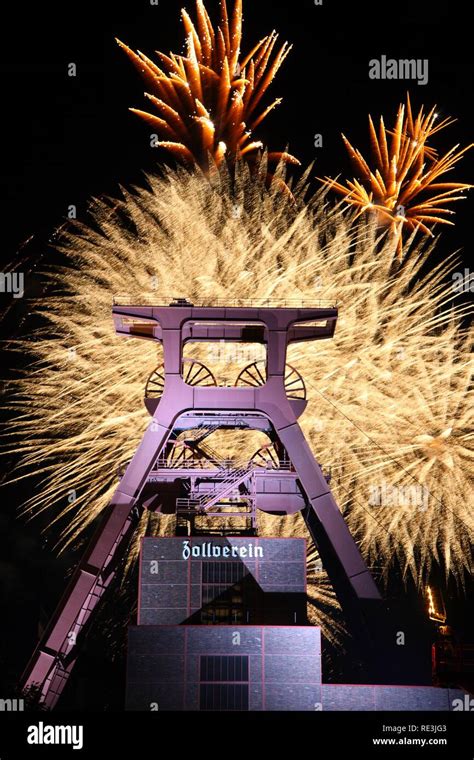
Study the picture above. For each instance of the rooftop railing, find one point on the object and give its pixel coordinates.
(128, 299)
(224, 465)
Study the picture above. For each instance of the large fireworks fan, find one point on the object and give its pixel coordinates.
(208, 102)
(403, 181)
(184, 235)
(416, 480)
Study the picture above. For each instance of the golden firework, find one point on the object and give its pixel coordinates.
(383, 394)
(207, 103)
(400, 183)
(415, 481)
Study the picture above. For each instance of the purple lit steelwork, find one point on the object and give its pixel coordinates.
(182, 396)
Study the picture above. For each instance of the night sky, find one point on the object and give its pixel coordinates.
(65, 139)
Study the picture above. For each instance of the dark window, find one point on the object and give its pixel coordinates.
(222, 697)
(226, 573)
(222, 593)
(224, 683)
(224, 668)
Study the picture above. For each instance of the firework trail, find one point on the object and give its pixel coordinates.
(208, 103)
(400, 183)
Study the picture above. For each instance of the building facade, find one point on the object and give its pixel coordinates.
(222, 626)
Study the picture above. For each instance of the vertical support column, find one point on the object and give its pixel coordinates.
(349, 573)
(276, 353)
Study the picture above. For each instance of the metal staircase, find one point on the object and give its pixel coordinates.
(210, 454)
(232, 478)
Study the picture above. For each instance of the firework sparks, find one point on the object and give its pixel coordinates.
(426, 467)
(208, 102)
(401, 183)
(377, 394)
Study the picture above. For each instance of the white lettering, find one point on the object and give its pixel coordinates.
(207, 550)
(44, 734)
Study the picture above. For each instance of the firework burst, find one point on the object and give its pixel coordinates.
(401, 184)
(426, 467)
(380, 409)
(207, 103)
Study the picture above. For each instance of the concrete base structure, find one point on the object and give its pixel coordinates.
(222, 626)
(189, 668)
(224, 667)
